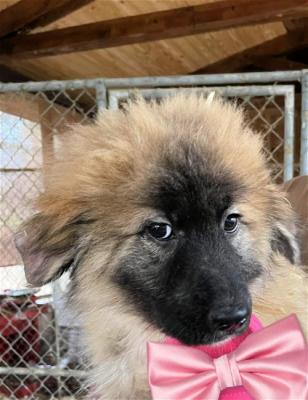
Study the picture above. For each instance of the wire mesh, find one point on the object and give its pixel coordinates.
(40, 352)
(40, 356)
(266, 115)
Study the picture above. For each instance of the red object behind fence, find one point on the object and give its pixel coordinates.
(19, 340)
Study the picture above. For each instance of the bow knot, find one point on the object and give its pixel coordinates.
(269, 364)
(227, 371)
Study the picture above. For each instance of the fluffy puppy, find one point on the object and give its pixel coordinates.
(167, 219)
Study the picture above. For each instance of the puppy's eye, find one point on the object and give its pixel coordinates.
(160, 231)
(231, 223)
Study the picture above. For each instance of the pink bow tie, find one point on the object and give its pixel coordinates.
(271, 364)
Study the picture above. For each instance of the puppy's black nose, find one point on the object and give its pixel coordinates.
(230, 320)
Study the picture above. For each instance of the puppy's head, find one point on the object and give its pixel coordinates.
(169, 204)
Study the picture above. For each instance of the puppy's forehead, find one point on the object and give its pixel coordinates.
(190, 184)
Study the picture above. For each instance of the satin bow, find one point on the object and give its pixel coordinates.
(271, 364)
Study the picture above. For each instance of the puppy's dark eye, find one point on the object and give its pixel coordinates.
(160, 231)
(231, 223)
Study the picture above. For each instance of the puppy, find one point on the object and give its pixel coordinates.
(167, 219)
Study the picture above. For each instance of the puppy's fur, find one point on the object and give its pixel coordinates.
(187, 163)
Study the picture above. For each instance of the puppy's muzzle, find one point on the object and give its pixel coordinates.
(230, 321)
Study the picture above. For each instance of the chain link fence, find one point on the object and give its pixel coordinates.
(40, 352)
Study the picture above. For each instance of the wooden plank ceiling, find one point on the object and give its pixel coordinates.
(204, 52)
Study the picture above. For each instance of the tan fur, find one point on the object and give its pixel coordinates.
(102, 175)
(285, 293)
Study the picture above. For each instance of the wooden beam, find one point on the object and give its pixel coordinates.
(9, 75)
(295, 24)
(154, 26)
(280, 45)
(27, 14)
(22, 106)
(278, 63)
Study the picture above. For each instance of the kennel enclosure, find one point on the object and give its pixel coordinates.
(40, 338)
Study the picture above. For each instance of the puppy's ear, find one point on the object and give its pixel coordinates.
(285, 232)
(285, 243)
(47, 250)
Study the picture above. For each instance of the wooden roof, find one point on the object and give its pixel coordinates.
(175, 55)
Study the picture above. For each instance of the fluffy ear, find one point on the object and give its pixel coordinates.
(285, 243)
(285, 232)
(47, 250)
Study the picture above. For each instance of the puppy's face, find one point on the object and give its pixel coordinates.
(189, 266)
(172, 206)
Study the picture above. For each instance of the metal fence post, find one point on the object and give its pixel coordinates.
(101, 95)
(304, 126)
(289, 104)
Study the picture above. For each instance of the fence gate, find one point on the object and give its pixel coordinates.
(39, 335)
